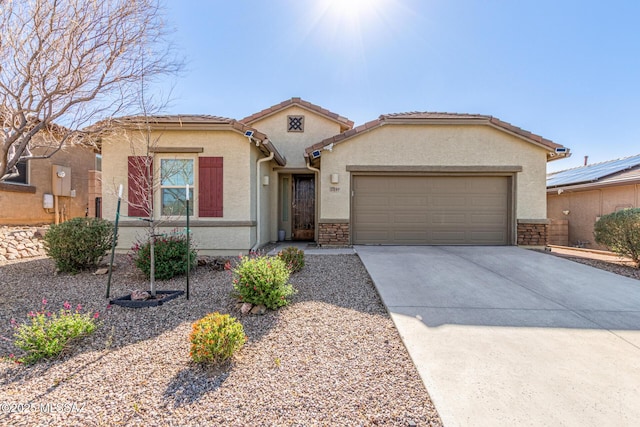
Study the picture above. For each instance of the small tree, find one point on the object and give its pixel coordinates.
(73, 62)
(620, 232)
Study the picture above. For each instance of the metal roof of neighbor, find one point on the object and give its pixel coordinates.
(593, 172)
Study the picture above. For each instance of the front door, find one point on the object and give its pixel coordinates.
(303, 207)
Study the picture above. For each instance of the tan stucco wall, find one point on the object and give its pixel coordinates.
(585, 206)
(292, 144)
(239, 175)
(206, 240)
(27, 208)
(441, 145)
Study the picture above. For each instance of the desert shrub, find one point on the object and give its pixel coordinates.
(170, 252)
(79, 243)
(262, 280)
(215, 338)
(620, 232)
(293, 258)
(48, 334)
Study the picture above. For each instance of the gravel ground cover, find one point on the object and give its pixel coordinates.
(612, 267)
(333, 357)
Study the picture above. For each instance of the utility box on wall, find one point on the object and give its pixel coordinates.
(61, 180)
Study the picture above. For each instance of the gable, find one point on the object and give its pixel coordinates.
(432, 120)
(291, 144)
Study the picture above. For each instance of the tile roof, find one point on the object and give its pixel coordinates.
(592, 173)
(200, 121)
(416, 117)
(343, 121)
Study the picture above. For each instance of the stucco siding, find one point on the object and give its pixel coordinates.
(292, 144)
(407, 145)
(206, 240)
(584, 207)
(239, 177)
(233, 147)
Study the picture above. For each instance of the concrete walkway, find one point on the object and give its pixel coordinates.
(503, 336)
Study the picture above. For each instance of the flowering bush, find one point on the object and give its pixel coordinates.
(47, 334)
(215, 338)
(293, 258)
(170, 254)
(79, 243)
(262, 280)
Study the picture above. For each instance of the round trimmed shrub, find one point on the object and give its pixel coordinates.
(262, 280)
(215, 338)
(620, 232)
(78, 244)
(170, 253)
(293, 258)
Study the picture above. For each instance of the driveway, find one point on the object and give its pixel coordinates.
(504, 336)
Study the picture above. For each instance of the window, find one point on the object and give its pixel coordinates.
(295, 123)
(98, 166)
(175, 174)
(23, 173)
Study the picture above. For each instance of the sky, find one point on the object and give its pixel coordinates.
(566, 70)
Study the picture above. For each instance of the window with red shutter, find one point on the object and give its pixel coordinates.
(210, 187)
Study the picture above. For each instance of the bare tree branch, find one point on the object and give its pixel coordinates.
(71, 63)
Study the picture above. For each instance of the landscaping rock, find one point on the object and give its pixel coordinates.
(139, 295)
(101, 271)
(246, 308)
(259, 310)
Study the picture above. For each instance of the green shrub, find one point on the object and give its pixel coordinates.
(48, 334)
(215, 338)
(79, 243)
(170, 254)
(620, 232)
(262, 280)
(293, 258)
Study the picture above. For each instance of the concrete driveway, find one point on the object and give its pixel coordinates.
(504, 336)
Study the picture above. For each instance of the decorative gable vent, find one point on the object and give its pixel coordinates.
(295, 123)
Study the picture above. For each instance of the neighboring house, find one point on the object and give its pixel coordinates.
(306, 174)
(29, 198)
(581, 195)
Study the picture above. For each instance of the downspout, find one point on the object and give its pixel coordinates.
(258, 194)
(317, 187)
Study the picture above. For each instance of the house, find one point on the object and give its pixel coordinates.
(301, 172)
(577, 197)
(71, 177)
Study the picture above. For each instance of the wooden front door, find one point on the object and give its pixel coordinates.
(303, 207)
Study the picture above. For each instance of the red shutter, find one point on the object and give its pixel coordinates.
(139, 185)
(210, 187)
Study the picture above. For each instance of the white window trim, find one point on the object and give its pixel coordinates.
(157, 199)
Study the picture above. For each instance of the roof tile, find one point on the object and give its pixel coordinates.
(344, 122)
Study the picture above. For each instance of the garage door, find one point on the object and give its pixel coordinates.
(436, 210)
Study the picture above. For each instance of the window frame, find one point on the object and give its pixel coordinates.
(27, 173)
(193, 186)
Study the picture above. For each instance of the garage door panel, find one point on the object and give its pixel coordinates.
(374, 218)
(409, 201)
(431, 210)
(410, 219)
(447, 200)
(486, 237)
(447, 219)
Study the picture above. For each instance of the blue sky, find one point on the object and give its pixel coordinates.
(566, 70)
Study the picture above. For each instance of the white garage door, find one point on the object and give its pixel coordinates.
(432, 210)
